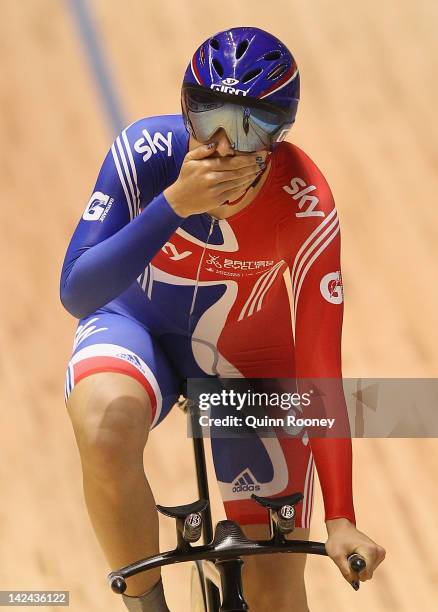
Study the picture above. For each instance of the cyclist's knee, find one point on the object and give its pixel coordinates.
(283, 573)
(111, 416)
(273, 581)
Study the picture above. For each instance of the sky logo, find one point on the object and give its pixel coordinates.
(150, 145)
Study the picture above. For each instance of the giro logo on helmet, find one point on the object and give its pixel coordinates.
(230, 81)
(228, 88)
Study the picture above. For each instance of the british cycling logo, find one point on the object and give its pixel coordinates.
(299, 190)
(98, 207)
(150, 145)
(237, 264)
(227, 86)
(331, 287)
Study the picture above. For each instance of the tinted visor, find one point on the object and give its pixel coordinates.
(250, 126)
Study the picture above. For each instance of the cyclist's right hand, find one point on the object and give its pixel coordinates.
(206, 182)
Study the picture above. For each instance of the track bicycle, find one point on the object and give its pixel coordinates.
(216, 578)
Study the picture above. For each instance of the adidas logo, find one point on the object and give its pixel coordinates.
(245, 482)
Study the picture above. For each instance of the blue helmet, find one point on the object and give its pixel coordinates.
(247, 62)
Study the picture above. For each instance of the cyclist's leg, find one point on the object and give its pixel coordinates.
(118, 385)
(275, 581)
(267, 467)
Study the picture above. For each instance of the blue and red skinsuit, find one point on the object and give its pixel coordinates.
(258, 295)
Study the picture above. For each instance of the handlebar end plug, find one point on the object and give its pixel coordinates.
(118, 585)
(357, 562)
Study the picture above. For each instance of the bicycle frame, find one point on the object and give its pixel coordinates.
(220, 576)
(211, 592)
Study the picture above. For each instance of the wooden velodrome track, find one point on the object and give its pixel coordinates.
(368, 117)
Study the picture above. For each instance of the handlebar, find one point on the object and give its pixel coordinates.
(229, 542)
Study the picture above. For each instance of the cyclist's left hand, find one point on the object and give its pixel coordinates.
(344, 539)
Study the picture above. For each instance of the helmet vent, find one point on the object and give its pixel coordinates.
(272, 55)
(218, 67)
(277, 72)
(241, 48)
(215, 44)
(251, 75)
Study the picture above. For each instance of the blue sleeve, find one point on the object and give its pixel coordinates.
(127, 219)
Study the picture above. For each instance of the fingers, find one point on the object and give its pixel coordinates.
(228, 190)
(201, 152)
(380, 554)
(372, 554)
(345, 540)
(205, 181)
(221, 163)
(235, 162)
(232, 175)
(341, 561)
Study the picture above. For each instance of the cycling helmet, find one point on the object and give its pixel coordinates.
(246, 81)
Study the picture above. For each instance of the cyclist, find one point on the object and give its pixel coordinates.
(209, 247)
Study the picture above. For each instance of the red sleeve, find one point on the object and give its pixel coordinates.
(314, 259)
